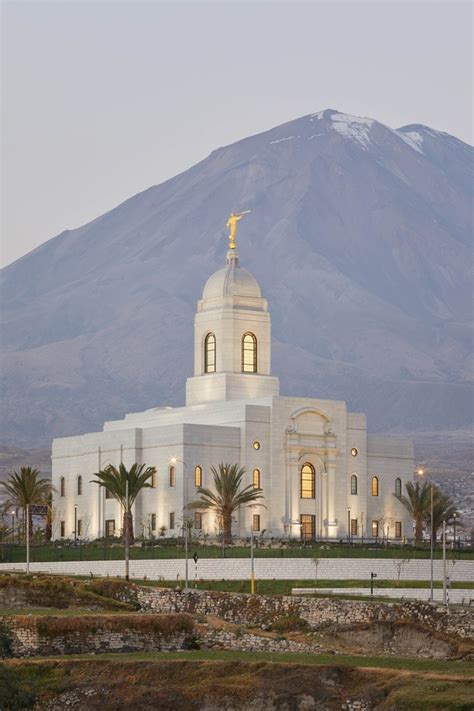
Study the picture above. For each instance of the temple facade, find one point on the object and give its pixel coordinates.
(321, 474)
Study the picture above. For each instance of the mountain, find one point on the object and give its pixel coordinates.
(360, 235)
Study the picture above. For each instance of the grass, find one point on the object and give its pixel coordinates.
(431, 666)
(284, 587)
(56, 611)
(97, 551)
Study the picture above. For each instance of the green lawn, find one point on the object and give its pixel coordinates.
(98, 551)
(284, 587)
(459, 668)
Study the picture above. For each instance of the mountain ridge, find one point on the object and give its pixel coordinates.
(353, 231)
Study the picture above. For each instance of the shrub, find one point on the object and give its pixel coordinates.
(165, 625)
(12, 695)
(5, 642)
(289, 623)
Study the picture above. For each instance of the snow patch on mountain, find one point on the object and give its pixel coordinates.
(412, 139)
(353, 127)
(286, 138)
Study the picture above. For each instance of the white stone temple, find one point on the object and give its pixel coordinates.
(322, 475)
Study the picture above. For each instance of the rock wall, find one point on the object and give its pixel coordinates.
(35, 636)
(320, 613)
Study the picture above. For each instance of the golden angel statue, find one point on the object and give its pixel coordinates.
(232, 225)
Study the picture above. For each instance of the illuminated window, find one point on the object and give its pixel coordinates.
(256, 445)
(110, 527)
(171, 520)
(79, 527)
(153, 522)
(210, 353)
(62, 486)
(375, 486)
(256, 522)
(108, 494)
(375, 529)
(398, 529)
(172, 477)
(307, 482)
(256, 479)
(249, 353)
(79, 485)
(354, 484)
(153, 480)
(354, 527)
(354, 451)
(398, 487)
(198, 520)
(308, 526)
(197, 476)
(63, 529)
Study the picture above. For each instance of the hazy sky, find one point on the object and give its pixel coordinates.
(104, 98)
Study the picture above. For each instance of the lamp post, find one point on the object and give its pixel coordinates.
(127, 525)
(454, 529)
(349, 525)
(13, 526)
(444, 564)
(185, 518)
(420, 471)
(75, 524)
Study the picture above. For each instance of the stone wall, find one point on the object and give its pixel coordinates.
(34, 636)
(50, 635)
(320, 613)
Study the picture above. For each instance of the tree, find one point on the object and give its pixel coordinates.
(115, 482)
(444, 509)
(227, 497)
(417, 503)
(24, 489)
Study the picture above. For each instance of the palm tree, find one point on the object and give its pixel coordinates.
(227, 497)
(417, 503)
(25, 489)
(444, 509)
(115, 482)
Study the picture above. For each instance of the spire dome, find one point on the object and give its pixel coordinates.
(231, 281)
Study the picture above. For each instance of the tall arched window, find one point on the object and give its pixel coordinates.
(210, 353)
(153, 480)
(398, 487)
(62, 486)
(249, 353)
(197, 476)
(79, 485)
(354, 484)
(256, 479)
(307, 481)
(172, 473)
(375, 486)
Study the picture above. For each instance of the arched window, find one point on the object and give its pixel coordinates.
(172, 476)
(197, 476)
(62, 486)
(375, 486)
(354, 484)
(398, 487)
(307, 481)
(256, 479)
(153, 480)
(249, 353)
(210, 353)
(79, 485)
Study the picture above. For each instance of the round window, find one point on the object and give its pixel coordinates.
(256, 444)
(354, 452)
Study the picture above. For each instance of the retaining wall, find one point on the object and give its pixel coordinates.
(265, 569)
(320, 613)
